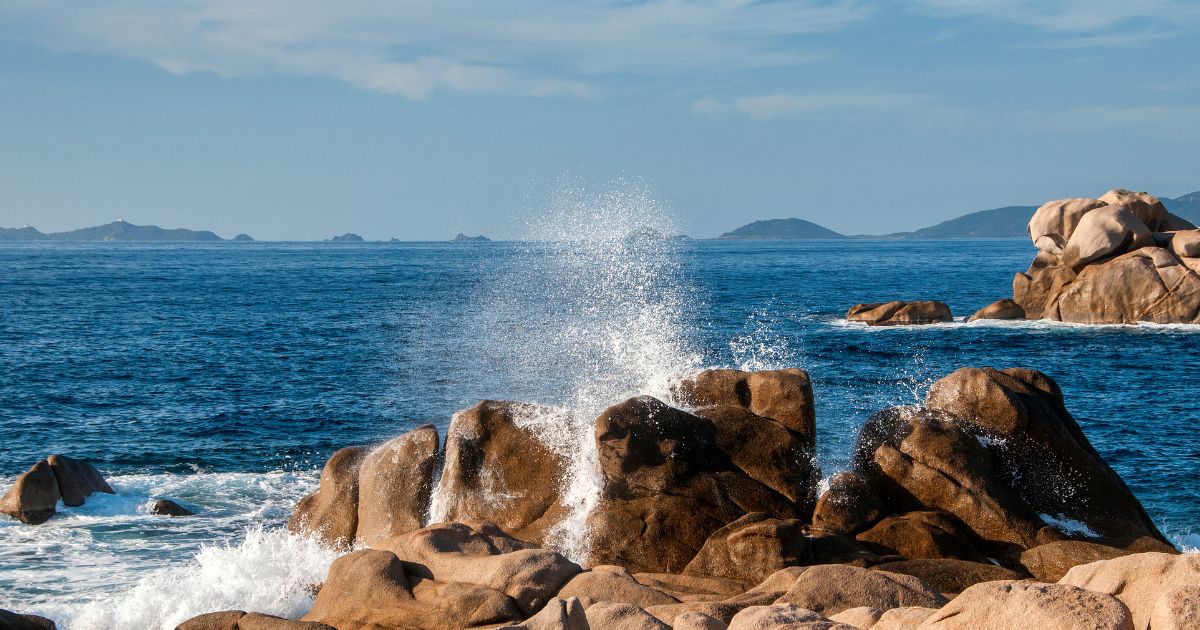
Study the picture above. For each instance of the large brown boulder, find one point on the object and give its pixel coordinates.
(900, 313)
(751, 548)
(666, 487)
(921, 459)
(785, 396)
(1054, 222)
(607, 583)
(848, 506)
(1000, 309)
(1105, 232)
(498, 470)
(1186, 244)
(1039, 452)
(1030, 605)
(33, 497)
(77, 479)
(1139, 580)
(370, 589)
(831, 588)
(919, 535)
(331, 513)
(949, 575)
(1147, 285)
(782, 615)
(1146, 207)
(1037, 288)
(558, 614)
(484, 556)
(1051, 561)
(688, 588)
(395, 482)
(242, 620)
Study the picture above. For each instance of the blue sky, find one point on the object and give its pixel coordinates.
(302, 119)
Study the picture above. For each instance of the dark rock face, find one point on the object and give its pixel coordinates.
(848, 506)
(921, 535)
(395, 482)
(331, 513)
(667, 487)
(900, 313)
(167, 507)
(34, 497)
(498, 470)
(16, 621)
(1040, 451)
(1000, 309)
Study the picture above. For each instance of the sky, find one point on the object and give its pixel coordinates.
(303, 119)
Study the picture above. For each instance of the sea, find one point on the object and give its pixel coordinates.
(223, 375)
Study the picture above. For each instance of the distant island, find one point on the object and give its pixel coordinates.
(781, 229)
(348, 237)
(463, 238)
(1006, 222)
(117, 231)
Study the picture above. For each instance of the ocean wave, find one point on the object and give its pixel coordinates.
(1020, 324)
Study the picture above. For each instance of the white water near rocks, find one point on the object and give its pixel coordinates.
(593, 312)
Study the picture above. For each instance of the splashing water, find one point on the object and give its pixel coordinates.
(591, 312)
(761, 347)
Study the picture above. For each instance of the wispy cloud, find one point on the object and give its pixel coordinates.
(533, 47)
(1181, 124)
(1080, 23)
(905, 108)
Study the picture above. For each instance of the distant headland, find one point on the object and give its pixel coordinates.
(119, 230)
(463, 238)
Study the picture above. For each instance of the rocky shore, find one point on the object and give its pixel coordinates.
(985, 507)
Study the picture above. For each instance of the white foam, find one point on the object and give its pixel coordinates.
(111, 564)
(1069, 525)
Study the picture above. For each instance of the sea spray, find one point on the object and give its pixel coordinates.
(589, 311)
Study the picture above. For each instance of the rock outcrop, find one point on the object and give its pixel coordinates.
(1000, 309)
(1119, 259)
(900, 313)
(167, 507)
(395, 483)
(1048, 606)
(331, 513)
(34, 496)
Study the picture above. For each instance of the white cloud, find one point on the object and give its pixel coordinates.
(1074, 16)
(533, 47)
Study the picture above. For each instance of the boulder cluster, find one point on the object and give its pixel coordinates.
(1119, 259)
(984, 507)
(34, 497)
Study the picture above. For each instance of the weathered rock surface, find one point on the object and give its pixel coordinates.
(331, 513)
(949, 575)
(499, 471)
(921, 534)
(557, 614)
(1051, 561)
(848, 506)
(33, 498)
(17, 621)
(831, 588)
(484, 556)
(785, 396)
(395, 482)
(167, 507)
(900, 313)
(782, 615)
(1030, 605)
(1000, 309)
(77, 479)
(751, 548)
(1054, 222)
(667, 487)
(694, 620)
(607, 583)
(1177, 609)
(1120, 259)
(1137, 580)
(622, 617)
(241, 620)
(903, 618)
(1039, 451)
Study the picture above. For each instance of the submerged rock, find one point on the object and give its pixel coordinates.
(900, 313)
(167, 507)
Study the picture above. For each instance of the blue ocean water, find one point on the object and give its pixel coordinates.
(223, 375)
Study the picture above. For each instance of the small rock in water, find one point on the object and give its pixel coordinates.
(900, 313)
(167, 507)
